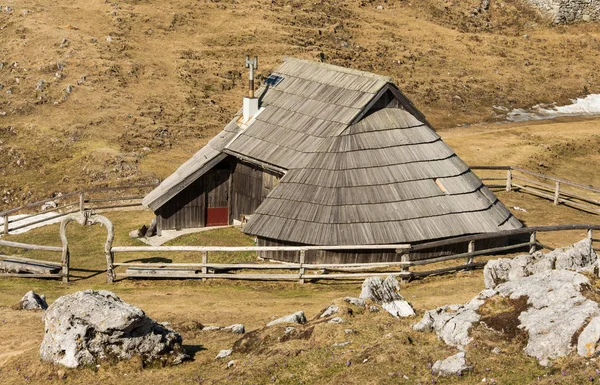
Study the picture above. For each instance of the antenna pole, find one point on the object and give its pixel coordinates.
(252, 65)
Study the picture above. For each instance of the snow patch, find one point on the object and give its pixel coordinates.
(588, 106)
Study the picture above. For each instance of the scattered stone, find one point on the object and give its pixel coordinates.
(210, 328)
(336, 320)
(454, 365)
(297, 318)
(49, 205)
(387, 294)
(224, 353)
(31, 301)
(496, 350)
(517, 207)
(373, 309)
(355, 301)
(64, 43)
(349, 331)
(87, 326)
(451, 323)
(41, 84)
(230, 364)
(332, 309)
(380, 7)
(109, 39)
(236, 328)
(139, 233)
(289, 330)
(341, 344)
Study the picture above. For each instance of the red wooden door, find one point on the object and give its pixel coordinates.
(217, 197)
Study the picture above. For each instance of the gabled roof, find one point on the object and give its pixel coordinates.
(303, 102)
(387, 179)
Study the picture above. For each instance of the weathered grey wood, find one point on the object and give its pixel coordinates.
(116, 199)
(563, 181)
(17, 275)
(470, 249)
(56, 264)
(14, 265)
(87, 218)
(227, 266)
(562, 200)
(557, 194)
(508, 180)
(38, 203)
(301, 270)
(544, 246)
(448, 269)
(5, 224)
(27, 246)
(491, 168)
(204, 262)
(134, 249)
(161, 272)
(463, 255)
(532, 242)
(81, 201)
(42, 220)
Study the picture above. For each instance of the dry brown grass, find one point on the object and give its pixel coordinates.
(172, 74)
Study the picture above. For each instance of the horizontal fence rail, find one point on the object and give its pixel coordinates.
(302, 271)
(15, 266)
(96, 199)
(559, 191)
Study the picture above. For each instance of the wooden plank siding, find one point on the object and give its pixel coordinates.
(250, 185)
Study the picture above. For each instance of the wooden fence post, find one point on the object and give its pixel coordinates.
(470, 249)
(557, 194)
(404, 257)
(81, 202)
(204, 262)
(6, 225)
(509, 180)
(532, 242)
(66, 259)
(301, 270)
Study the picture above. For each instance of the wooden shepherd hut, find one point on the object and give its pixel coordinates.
(327, 155)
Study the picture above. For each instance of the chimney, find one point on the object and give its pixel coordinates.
(250, 102)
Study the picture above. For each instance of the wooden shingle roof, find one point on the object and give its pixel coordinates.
(387, 179)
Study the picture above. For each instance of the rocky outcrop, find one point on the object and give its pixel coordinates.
(88, 326)
(569, 11)
(577, 257)
(31, 301)
(454, 365)
(556, 311)
(297, 317)
(387, 294)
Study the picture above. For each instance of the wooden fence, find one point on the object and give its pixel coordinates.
(206, 270)
(79, 201)
(559, 191)
(35, 268)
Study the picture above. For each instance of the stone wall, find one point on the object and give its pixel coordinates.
(569, 11)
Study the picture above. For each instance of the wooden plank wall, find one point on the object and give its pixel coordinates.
(368, 256)
(187, 209)
(250, 186)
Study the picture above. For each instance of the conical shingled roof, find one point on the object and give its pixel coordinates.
(387, 179)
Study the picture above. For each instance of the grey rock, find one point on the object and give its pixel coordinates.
(496, 350)
(587, 343)
(297, 317)
(373, 309)
(135, 234)
(577, 257)
(331, 310)
(355, 301)
(349, 331)
(236, 328)
(230, 364)
(452, 366)
(41, 84)
(32, 301)
(451, 323)
(49, 206)
(211, 328)
(224, 353)
(336, 320)
(289, 330)
(387, 294)
(557, 310)
(87, 326)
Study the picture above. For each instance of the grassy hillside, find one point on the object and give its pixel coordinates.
(101, 93)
